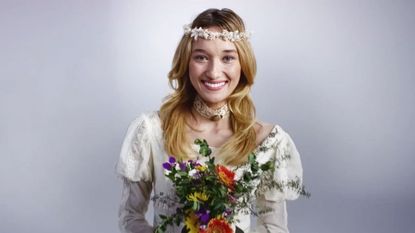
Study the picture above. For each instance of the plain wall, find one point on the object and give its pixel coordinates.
(338, 76)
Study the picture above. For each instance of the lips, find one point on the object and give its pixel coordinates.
(214, 86)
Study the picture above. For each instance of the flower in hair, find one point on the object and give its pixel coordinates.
(197, 32)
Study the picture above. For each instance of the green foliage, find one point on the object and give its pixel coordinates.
(192, 180)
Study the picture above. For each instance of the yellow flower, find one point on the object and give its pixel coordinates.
(198, 196)
(200, 168)
(192, 223)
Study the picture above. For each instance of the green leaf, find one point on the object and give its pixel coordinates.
(267, 166)
(182, 173)
(247, 176)
(251, 158)
(195, 206)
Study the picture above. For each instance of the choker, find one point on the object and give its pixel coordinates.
(212, 114)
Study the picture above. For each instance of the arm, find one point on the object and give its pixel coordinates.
(134, 203)
(135, 168)
(274, 220)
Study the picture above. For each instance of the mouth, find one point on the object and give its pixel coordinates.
(214, 86)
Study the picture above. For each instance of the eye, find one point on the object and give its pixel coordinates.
(200, 58)
(228, 59)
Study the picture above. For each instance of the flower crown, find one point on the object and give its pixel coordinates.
(208, 35)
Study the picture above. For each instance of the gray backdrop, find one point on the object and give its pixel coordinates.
(337, 75)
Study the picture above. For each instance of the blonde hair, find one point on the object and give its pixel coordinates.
(178, 105)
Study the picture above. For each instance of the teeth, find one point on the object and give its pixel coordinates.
(214, 85)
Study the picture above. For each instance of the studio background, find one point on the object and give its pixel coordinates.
(338, 76)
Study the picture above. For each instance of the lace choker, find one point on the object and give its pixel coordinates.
(212, 114)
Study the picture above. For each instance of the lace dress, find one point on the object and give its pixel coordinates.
(140, 167)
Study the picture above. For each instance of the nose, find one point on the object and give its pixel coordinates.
(214, 69)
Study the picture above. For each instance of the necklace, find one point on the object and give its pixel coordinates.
(212, 114)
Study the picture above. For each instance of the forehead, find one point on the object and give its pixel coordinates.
(217, 45)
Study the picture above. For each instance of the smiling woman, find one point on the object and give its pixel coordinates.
(214, 70)
(212, 74)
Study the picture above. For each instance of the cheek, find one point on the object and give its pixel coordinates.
(194, 73)
(235, 73)
(194, 70)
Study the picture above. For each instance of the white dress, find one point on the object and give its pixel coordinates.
(140, 167)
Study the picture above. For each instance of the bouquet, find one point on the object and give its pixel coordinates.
(210, 195)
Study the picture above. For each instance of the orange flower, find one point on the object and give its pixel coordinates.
(217, 225)
(226, 176)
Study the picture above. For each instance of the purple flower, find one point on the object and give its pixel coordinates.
(194, 173)
(232, 199)
(172, 160)
(228, 212)
(182, 166)
(167, 166)
(203, 216)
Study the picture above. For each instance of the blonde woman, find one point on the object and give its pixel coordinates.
(213, 71)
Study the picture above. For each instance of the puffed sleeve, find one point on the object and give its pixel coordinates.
(135, 168)
(274, 220)
(288, 169)
(288, 174)
(135, 161)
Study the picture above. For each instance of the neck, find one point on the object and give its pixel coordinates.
(206, 118)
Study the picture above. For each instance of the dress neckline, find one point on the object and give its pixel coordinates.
(271, 134)
(264, 141)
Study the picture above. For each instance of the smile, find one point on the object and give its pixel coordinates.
(214, 85)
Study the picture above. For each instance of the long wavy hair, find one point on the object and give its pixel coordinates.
(178, 105)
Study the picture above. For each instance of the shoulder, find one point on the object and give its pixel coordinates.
(268, 133)
(144, 126)
(148, 117)
(146, 120)
(262, 130)
(135, 161)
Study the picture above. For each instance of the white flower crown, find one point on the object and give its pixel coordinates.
(208, 35)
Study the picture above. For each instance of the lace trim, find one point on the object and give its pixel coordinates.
(205, 111)
(266, 143)
(134, 162)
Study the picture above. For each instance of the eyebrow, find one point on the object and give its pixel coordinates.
(225, 51)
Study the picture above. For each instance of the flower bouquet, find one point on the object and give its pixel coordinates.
(209, 194)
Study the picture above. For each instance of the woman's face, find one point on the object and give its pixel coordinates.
(214, 69)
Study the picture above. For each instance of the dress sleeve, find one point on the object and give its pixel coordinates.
(135, 162)
(135, 167)
(288, 175)
(288, 170)
(274, 220)
(134, 203)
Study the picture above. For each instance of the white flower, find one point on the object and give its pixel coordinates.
(187, 29)
(195, 33)
(192, 172)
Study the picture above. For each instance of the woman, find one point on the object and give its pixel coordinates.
(212, 74)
